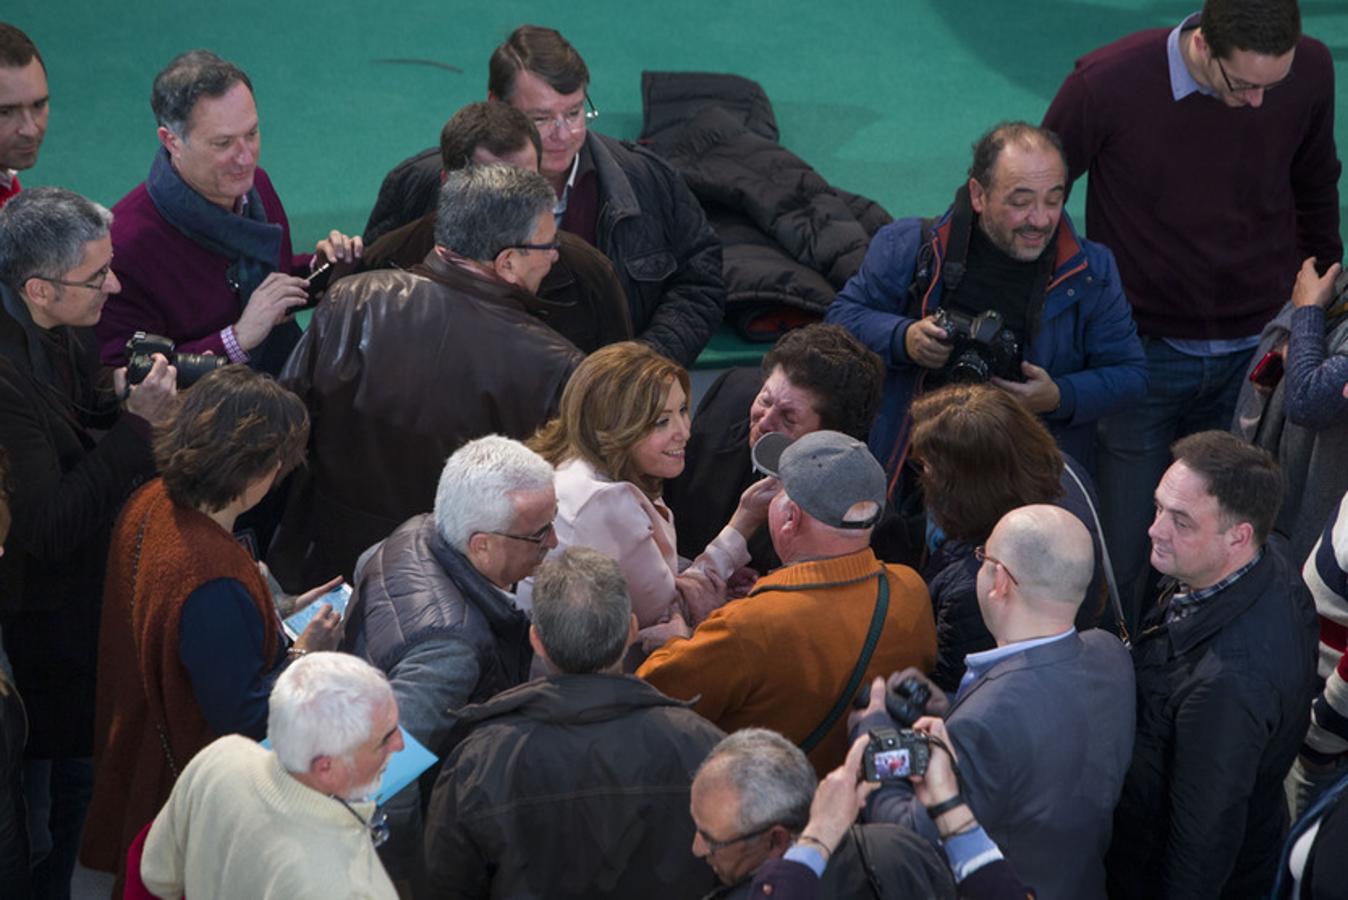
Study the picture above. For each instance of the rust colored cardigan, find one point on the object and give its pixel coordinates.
(160, 554)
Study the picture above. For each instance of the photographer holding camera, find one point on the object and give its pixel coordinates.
(1000, 289)
(76, 454)
(1042, 724)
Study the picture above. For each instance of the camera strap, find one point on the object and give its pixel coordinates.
(859, 671)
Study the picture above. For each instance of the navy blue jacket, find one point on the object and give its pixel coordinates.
(1086, 340)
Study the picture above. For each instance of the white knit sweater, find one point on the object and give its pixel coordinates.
(237, 825)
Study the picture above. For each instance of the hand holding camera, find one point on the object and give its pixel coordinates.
(150, 395)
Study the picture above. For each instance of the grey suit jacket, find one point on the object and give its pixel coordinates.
(1044, 739)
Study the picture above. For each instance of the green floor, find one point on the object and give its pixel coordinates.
(883, 98)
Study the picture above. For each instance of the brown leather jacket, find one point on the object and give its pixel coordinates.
(398, 369)
(581, 297)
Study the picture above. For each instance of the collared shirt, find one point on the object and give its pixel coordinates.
(579, 208)
(559, 210)
(1185, 602)
(1182, 84)
(978, 663)
(6, 178)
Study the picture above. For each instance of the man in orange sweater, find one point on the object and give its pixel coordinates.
(791, 655)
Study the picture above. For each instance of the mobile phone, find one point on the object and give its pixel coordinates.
(316, 284)
(1268, 371)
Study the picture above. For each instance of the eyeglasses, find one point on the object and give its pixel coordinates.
(550, 245)
(982, 556)
(95, 283)
(1251, 88)
(378, 824)
(571, 120)
(715, 846)
(536, 537)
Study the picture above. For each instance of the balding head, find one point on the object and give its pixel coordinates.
(1047, 559)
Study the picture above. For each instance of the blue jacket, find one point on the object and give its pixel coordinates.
(1087, 340)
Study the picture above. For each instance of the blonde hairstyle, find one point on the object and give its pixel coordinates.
(611, 402)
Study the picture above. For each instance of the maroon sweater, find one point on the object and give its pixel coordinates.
(1209, 209)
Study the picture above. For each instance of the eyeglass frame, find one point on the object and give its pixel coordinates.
(981, 554)
(559, 121)
(553, 244)
(715, 846)
(537, 537)
(1249, 88)
(94, 283)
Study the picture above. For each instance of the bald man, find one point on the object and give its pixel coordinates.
(1042, 724)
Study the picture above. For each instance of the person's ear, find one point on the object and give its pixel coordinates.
(537, 643)
(170, 141)
(779, 840)
(1241, 535)
(978, 196)
(504, 265)
(633, 627)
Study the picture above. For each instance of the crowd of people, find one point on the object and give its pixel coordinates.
(884, 618)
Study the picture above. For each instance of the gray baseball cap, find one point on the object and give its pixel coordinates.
(824, 472)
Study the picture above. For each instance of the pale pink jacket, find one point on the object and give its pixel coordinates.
(618, 520)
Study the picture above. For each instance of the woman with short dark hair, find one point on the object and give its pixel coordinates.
(190, 642)
(981, 454)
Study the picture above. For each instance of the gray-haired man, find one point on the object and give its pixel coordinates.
(398, 369)
(576, 785)
(431, 609)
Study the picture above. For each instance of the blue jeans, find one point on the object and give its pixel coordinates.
(58, 792)
(1188, 394)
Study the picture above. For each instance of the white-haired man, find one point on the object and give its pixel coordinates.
(295, 821)
(431, 606)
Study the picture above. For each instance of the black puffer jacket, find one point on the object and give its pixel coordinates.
(574, 786)
(790, 239)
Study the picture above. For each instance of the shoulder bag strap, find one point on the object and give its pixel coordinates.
(1105, 562)
(859, 672)
(131, 611)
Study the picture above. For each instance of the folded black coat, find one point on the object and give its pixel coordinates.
(791, 240)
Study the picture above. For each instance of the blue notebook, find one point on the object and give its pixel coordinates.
(403, 767)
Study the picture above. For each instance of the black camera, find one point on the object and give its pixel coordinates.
(140, 351)
(907, 701)
(981, 347)
(892, 755)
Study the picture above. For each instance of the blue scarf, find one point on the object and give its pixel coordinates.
(253, 243)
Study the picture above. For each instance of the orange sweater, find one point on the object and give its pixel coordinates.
(780, 657)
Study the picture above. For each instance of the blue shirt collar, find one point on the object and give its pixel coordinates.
(1182, 84)
(978, 663)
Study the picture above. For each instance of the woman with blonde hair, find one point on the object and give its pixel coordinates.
(620, 434)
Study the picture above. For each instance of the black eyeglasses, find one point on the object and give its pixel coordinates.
(715, 846)
(378, 824)
(1250, 88)
(536, 537)
(550, 245)
(981, 555)
(95, 282)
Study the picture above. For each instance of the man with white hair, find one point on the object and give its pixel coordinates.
(792, 654)
(295, 821)
(431, 607)
(1042, 724)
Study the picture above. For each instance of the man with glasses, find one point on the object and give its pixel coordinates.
(399, 368)
(1213, 175)
(297, 820)
(619, 197)
(432, 606)
(575, 785)
(78, 440)
(751, 802)
(23, 107)
(1042, 724)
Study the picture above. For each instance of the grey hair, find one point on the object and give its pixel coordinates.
(774, 781)
(324, 704)
(582, 610)
(43, 232)
(476, 484)
(186, 79)
(484, 209)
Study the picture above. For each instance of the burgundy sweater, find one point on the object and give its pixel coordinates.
(170, 284)
(1209, 209)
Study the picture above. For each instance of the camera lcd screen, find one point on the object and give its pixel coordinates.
(893, 764)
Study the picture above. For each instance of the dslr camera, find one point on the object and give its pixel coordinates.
(982, 347)
(907, 702)
(892, 755)
(140, 351)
